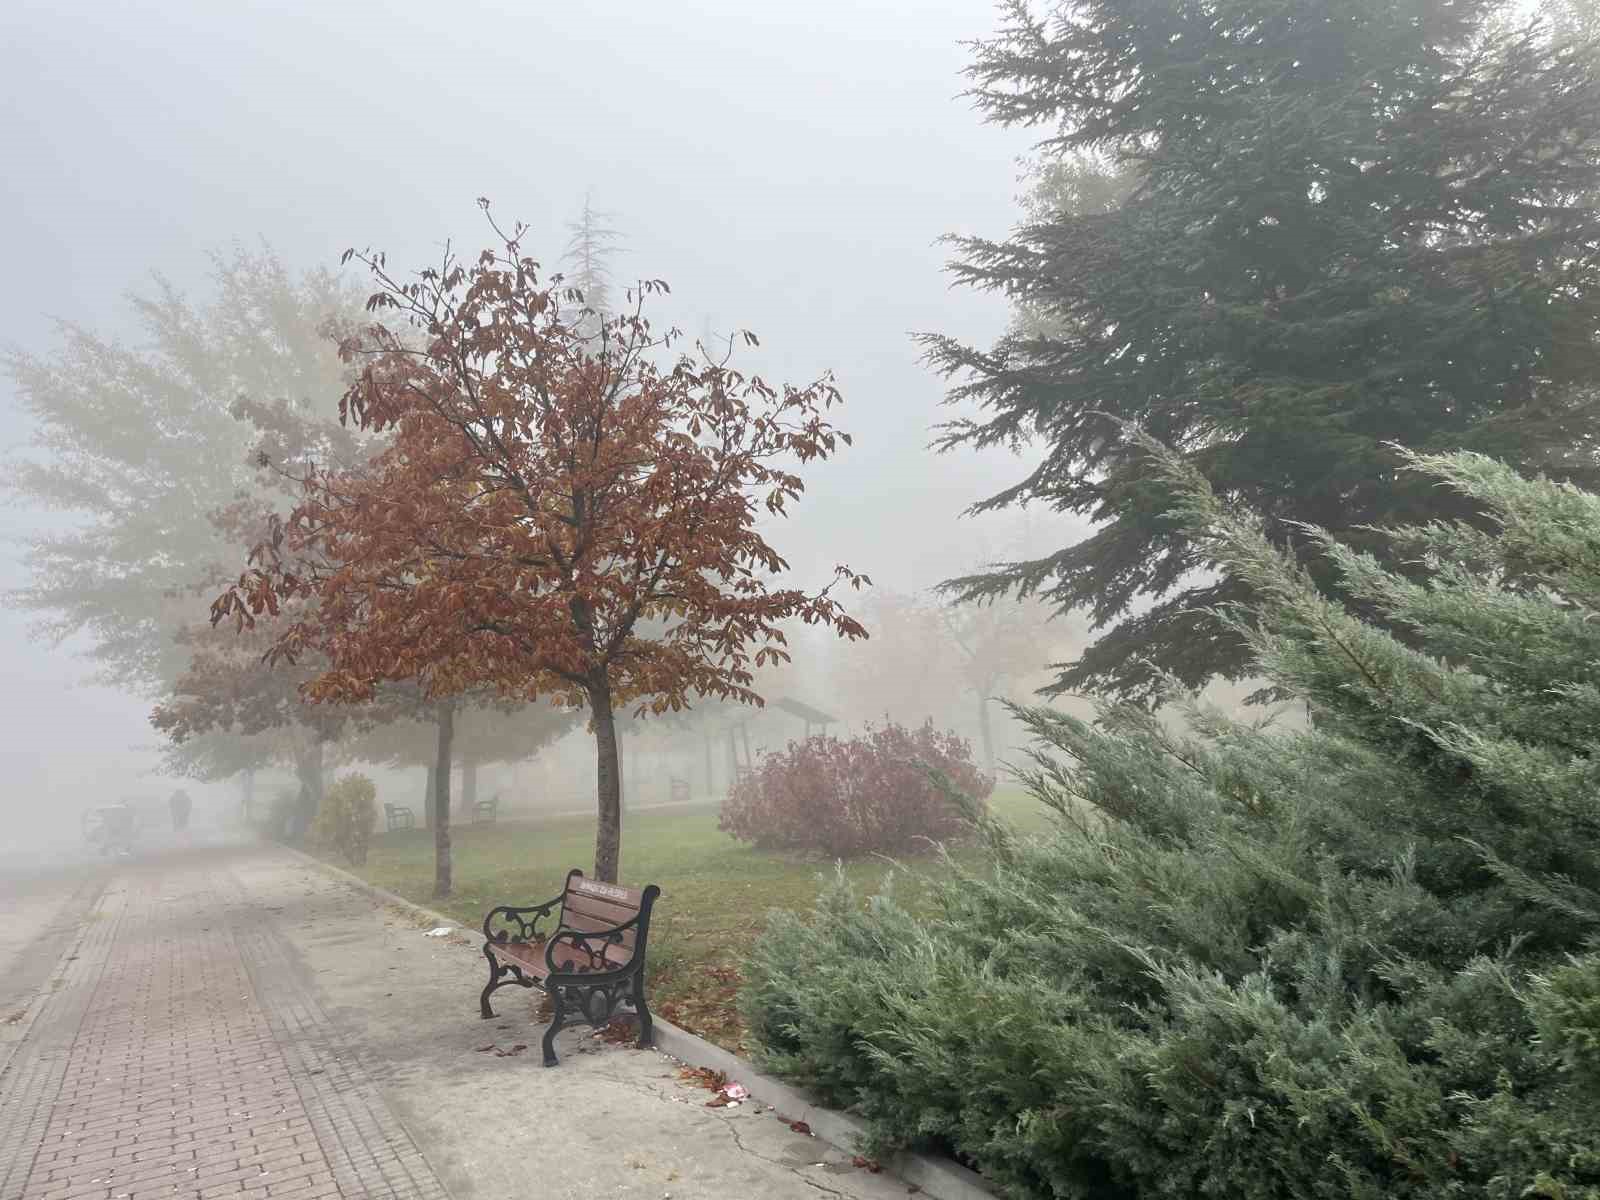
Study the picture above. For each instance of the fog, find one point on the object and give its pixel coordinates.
(786, 168)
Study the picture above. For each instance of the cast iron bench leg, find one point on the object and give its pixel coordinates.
(495, 971)
(647, 1035)
(555, 1028)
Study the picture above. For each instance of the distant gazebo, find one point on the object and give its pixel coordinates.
(811, 716)
(739, 733)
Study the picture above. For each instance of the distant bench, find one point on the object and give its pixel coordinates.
(587, 963)
(399, 817)
(486, 810)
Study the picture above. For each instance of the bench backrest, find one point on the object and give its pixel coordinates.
(589, 906)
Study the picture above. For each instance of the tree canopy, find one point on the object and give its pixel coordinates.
(1306, 232)
(547, 493)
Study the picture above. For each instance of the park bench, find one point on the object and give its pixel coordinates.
(486, 810)
(678, 791)
(399, 817)
(588, 962)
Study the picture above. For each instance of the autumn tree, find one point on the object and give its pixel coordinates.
(545, 492)
(1338, 229)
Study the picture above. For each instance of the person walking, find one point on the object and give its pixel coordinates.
(179, 804)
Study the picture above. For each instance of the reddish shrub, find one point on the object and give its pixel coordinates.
(853, 797)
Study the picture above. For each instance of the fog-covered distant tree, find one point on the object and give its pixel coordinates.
(138, 443)
(947, 663)
(217, 755)
(998, 643)
(228, 690)
(1348, 225)
(485, 731)
(150, 448)
(592, 245)
(1074, 184)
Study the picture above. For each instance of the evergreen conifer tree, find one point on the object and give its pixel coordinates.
(592, 245)
(1358, 960)
(1347, 225)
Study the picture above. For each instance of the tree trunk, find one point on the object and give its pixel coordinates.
(469, 788)
(427, 795)
(623, 762)
(711, 783)
(986, 731)
(441, 802)
(308, 766)
(608, 781)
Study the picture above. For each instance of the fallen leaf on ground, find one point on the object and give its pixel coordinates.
(800, 1127)
(618, 1031)
(705, 1077)
(481, 1049)
(866, 1164)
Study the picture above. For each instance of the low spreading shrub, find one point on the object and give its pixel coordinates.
(847, 797)
(1359, 960)
(346, 819)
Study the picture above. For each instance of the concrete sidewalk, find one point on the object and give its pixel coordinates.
(233, 1022)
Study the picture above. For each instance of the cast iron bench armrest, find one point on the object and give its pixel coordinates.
(527, 931)
(600, 965)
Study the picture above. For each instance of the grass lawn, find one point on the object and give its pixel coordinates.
(715, 892)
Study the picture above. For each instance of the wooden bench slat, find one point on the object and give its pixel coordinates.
(599, 910)
(612, 893)
(593, 922)
(530, 956)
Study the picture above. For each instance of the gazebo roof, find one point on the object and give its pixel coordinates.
(804, 711)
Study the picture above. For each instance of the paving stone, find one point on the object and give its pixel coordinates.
(179, 1054)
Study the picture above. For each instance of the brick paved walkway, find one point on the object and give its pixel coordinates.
(180, 1054)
